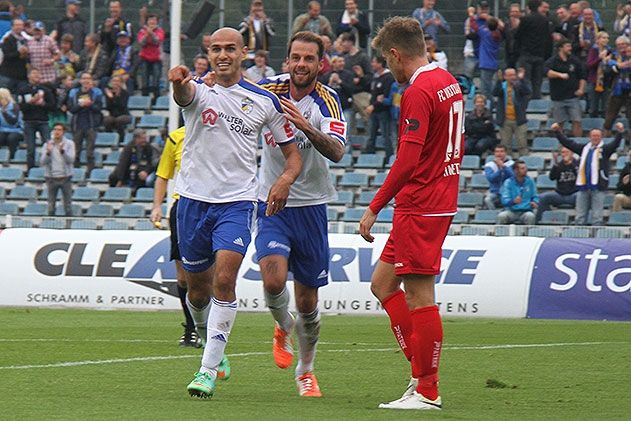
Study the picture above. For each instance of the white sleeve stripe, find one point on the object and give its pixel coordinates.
(338, 137)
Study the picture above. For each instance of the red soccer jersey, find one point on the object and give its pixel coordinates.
(432, 115)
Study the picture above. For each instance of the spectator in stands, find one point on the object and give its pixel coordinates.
(14, 58)
(43, 53)
(56, 158)
(434, 54)
(36, 100)
(430, 19)
(586, 5)
(341, 80)
(72, 24)
(567, 85)
(11, 123)
(490, 35)
(354, 20)
(593, 172)
(378, 111)
(597, 58)
(116, 97)
(479, 128)
(358, 62)
(135, 166)
(519, 197)
(124, 60)
(93, 59)
(68, 59)
(201, 65)
(112, 26)
(150, 39)
(585, 34)
(510, 28)
(512, 91)
(496, 172)
(622, 24)
(313, 21)
(60, 113)
(85, 103)
(564, 172)
(620, 69)
(622, 199)
(5, 17)
(575, 11)
(260, 70)
(532, 38)
(565, 27)
(326, 56)
(257, 30)
(205, 45)
(471, 49)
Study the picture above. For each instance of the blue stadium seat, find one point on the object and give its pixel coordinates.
(139, 102)
(78, 175)
(345, 162)
(539, 106)
(609, 200)
(152, 121)
(366, 197)
(533, 162)
(485, 216)
(590, 123)
(576, 232)
(542, 232)
(366, 160)
(385, 215)
(106, 140)
(461, 217)
(533, 125)
(117, 194)
(545, 144)
(621, 162)
(4, 155)
(131, 211)
(353, 214)
(35, 209)
(100, 210)
(9, 208)
(19, 157)
(100, 176)
(479, 181)
(333, 178)
(98, 158)
(162, 103)
(3, 193)
(508, 231)
(470, 199)
(53, 223)
(545, 86)
(470, 162)
(112, 158)
(609, 233)
(11, 174)
(143, 225)
(343, 198)
(474, 231)
(555, 218)
(379, 179)
(144, 194)
(620, 218)
(35, 175)
(331, 214)
(544, 182)
(83, 224)
(74, 208)
(85, 194)
(112, 224)
(567, 126)
(613, 181)
(21, 223)
(390, 161)
(358, 141)
(352, 179)
(23, 193)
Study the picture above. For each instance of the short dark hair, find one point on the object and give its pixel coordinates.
(562, 42)
(67, 38)
(533, 5)
(348, 36)
(309, 37)
(519, 162)
(62, 125)
(152, 15)
(499, 146)
(380, 59)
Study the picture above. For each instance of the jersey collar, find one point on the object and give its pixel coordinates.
(426, 68)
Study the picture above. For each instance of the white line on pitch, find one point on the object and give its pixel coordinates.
(248, 354)
(162, 341)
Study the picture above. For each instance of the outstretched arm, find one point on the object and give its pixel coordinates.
(183, 92)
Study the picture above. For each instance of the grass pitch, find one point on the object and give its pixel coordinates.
(69, 364)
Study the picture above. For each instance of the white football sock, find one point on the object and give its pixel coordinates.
(279, 307)
(308, 332)
(220, 322)
(200, 317)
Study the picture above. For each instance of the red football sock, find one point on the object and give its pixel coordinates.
(400, 320)
(427, 340)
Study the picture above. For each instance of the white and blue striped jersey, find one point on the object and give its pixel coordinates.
(323, 110)
(220, 147)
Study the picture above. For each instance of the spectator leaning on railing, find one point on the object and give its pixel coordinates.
(496, 172)
(593, 173)
(622, 200)
(519, 197)
(564, 172)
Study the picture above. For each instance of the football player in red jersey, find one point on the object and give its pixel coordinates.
(424, 182)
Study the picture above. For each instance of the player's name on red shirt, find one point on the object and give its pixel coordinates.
(449, 91)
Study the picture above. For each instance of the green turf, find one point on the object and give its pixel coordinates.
(357, 366)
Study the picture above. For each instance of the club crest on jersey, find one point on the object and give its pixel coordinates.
(307, 114)
(247, 105)
(411, 125)
(209, 116)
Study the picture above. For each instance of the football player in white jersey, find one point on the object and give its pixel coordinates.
(218, 187)
(296, 238)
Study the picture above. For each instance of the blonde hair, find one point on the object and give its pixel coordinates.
(479, 96)
(5, 95)
(403, 34)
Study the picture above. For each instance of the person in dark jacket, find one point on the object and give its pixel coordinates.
(11, 123)
(354, 20)
(341, 80)
(592, 178)
(116, 103)
(479, 128)
(72, 24)
(36, 100)
(93, 58)
(378, 111)
(622, 200)
(112, 26)
(512, 91)
(5, 17)
(14, 58)
(564, 172)
(135, 165)
(85, 103)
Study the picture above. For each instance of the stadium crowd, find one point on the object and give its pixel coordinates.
(83, 80)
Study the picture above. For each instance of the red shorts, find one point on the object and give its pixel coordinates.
(415, 244)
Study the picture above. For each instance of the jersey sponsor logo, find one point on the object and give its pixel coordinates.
(209, 116)
(337, 127)
(235, 124)
(288, 131)
(193, 262)
(247, 105)
(269, 139)
(411, 125)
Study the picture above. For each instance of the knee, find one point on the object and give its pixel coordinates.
(382, 290)
(223, 283)
(274, 285)
(502, 218)
(307, 303)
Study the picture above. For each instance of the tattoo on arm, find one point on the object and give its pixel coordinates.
(327, 145)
